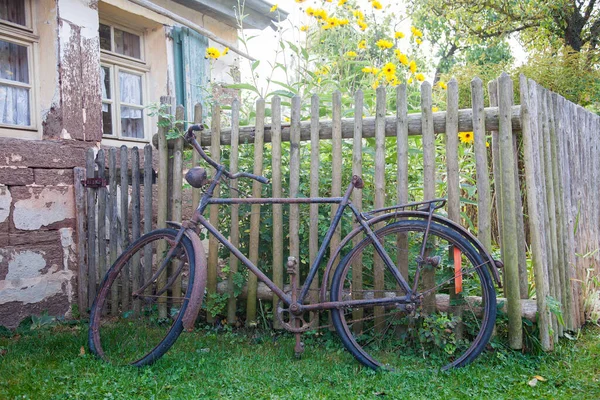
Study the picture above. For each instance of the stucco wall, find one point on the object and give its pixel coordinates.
(38, 260)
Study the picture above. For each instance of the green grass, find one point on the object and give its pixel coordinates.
(47, 364)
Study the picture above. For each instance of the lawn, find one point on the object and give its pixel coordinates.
(50, 363)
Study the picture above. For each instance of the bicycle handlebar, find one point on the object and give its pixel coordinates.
(191, 138)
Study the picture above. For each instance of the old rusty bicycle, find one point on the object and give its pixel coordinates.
(415, 284)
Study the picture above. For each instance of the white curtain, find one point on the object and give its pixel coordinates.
(130, 86)
(14, 101)
(104, 90)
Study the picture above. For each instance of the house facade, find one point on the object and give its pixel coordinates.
(76, 74)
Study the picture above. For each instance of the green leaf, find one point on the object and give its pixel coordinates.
(255, 64)
(245, 86)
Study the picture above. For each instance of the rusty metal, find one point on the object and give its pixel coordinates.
(196, 177)
(200, 271)
(94, 183)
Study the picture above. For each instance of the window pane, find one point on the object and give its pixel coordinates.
(14, 106)
(14, 65)
(130, 88)
(13, 11)
(104, 32)
(132, 123)
(127, 44)
(107, 127)
(105, 80)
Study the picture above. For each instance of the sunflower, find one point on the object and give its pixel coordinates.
(466, 137)
(213, 53)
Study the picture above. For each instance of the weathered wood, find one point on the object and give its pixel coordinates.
(465, 124)
(357, 200)
(213, 243)
(82, 271)
(379, 195)
(114, 223)
(484, 218)
(234, 230)
(493, 96)
(402, 172)
(196, 193)
(428, 179)
(91, 227)
(177, 195)
(529, 117)
(124, 216)
(102, 256)
(313, 234)
(294, 219)
(162, 193)
(509, 231)
(276, 184)
(452, 181)
(147, 273)
(255, 212)
(135, 223)
(336, 163)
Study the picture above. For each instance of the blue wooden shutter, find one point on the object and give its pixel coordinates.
(191, 69)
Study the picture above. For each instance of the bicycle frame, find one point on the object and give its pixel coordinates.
(344, 202)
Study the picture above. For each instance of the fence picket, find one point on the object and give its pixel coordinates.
(91, 227)
(313, 238)
(147, 273)
(336, 160)
(294, 219)
(277, 192)
(402, 165)
(357, 200)
(101, 237)
(196, 193)
(213, 243)
(234, 232)
(82, 270)
(114, 224)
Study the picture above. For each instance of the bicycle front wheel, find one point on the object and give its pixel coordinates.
(452, 317)
(137, 314)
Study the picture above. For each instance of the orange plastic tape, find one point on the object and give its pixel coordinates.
(457, 271)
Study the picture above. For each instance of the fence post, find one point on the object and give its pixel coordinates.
(195, 156)
(101, 162)
(91, 228)
(529, 116)
(255, 211)
(357, 200)
(213, 243)
(277, 192)
(114, 224)
(135, 224)
(82, 271)
(234, 232)
(336, 160)
(313, 240)
(402, 173)
(147, 273)
(509, 218)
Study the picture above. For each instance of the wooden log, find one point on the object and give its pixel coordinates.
(102, 256)
(509, 231)
(428, 179)
(255, 212)
(91, 227)
(213, 243)
(234, 230)
(196, 193)
(528, 307)
(465, 124)
(313, 234)
(357, 200)
(276, 185)
(484, 218)
(379, 200)
(528, 117)
(162, 192)
(82, 271)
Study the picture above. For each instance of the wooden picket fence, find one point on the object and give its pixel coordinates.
(557, 139)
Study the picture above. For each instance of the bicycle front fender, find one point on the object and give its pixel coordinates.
(399, 215)
(199, 285)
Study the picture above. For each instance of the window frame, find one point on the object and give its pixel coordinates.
(115, 63)
(23, 35)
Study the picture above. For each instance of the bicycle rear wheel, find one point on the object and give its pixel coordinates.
(137, 314)
(448, 327)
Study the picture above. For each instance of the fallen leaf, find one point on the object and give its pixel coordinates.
(532, 382)
(540, 378)
(82, 351)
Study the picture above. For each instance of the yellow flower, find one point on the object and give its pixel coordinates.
(330, 23)
(320, 13)
(410, 80)
(419, 41)
(487, 144)
(329, 1)
(225, 50)
(310, 12)
(398, 35)
(389, 70)
(358, 14)
(304, 28)
(273, 8)
(413, 66)
(375, 84)
(213, 53)
(351, 54)
(300, 1)
(362, 44)
(343, 21)
(435, 109)
(286, 119)
(384, 44)
(416, 32)
(376, 5)
(466, 137)
(363, 26)
(394, 81)
(420, 77)
(342, 2)
(401, 57)
(442, 85)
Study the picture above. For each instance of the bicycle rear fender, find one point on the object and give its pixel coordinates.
(199, 286)
(492, 264)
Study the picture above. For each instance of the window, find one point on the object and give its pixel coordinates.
(16, 66)
(123, 81)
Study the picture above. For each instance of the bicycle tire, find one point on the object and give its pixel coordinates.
(138, 330)
(392, 340)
